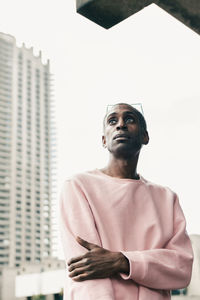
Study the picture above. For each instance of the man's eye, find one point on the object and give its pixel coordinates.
(112, 121)
(130, 120)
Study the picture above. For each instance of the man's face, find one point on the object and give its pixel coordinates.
(123, 135)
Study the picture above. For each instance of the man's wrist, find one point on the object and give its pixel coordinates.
(122, 263)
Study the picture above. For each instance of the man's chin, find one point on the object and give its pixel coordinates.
(125, 151)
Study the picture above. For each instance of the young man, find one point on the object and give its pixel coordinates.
(124, 237)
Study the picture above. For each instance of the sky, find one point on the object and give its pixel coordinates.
(150, 58)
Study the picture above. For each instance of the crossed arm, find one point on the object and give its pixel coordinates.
(96, 263)
(165, 268)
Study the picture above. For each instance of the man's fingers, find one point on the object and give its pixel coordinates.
(86, 244)
(81, 277)
(75, 259)
(78, 264)
(78, 271)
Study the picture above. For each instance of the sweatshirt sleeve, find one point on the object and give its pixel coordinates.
(167, 268)
(76, 218)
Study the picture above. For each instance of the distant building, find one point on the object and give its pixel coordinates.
(30, 281)
(25, 156)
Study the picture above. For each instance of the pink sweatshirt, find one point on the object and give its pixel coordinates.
(142, 220)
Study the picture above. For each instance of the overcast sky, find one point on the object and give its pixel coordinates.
(150, 58)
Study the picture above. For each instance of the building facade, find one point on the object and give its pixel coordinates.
(25, 156)
(34, 281)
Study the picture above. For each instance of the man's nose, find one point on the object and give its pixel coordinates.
(121, 124)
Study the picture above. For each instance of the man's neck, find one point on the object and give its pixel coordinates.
(122, 168)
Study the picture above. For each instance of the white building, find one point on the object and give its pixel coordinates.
(30, 280)
(25, 156)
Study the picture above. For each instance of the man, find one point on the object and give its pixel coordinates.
(124, 237)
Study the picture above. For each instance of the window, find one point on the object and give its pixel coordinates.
(46, 241)
(37, 259)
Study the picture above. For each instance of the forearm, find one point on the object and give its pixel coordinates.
(159, 268)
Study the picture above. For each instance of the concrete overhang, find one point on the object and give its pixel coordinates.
(108, 13)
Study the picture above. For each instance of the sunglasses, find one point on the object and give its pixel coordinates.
(137, 106)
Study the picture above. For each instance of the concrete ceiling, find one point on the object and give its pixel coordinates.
(108, 13)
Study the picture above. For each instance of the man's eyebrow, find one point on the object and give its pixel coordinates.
(129, 112)
(111, 114)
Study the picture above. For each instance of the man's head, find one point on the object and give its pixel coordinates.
(125, 130)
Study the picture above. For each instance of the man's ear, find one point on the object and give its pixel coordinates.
(104, 141)
(145, 138)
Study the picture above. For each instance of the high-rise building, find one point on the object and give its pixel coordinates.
(25, 155)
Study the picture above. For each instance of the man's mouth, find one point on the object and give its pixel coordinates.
(121, 137)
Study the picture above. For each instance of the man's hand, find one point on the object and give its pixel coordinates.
(96, 263)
